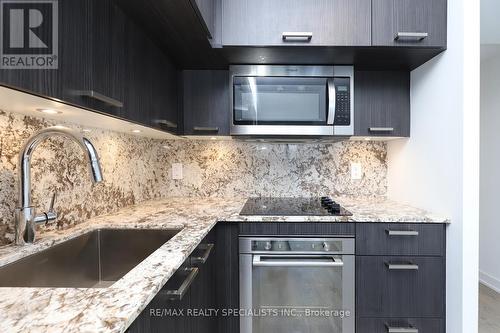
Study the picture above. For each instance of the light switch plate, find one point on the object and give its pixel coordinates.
(356, 171)
(177, 171)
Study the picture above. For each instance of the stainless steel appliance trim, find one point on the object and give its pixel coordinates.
(178, 294)
(381, 129)
(332, 99)
(203, 259)
(404, 267)
(271, 130)
(280, 70)
(245, 245)
(100, 97)
(415, 35)
(246, 291)
(394, 329)
(299, 261)
(402, 232)
(296, 36)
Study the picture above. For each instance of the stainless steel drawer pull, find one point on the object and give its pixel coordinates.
(178, 294)
(297, 36)
(402, 232)
(100, 97)
(381, 129)
(203, 259)
(165, 123)
(205, 129)
(411, 35)
(402, 267)
(394, 329)
(295, 261)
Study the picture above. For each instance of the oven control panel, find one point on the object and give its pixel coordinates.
(298, 245)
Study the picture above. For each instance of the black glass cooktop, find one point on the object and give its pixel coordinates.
(323, 206)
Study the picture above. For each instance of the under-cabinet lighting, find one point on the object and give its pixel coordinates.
(49, 111)
(136, 131)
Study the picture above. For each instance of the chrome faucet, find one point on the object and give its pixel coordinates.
(26, 217)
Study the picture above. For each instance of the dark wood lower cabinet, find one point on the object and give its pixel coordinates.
(398, 292)
(382, 325)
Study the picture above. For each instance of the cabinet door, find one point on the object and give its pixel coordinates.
(94, 67)
(412, 19)
(382, 103)
(227, 285)
(206, 102)
(205, 10)
(138, 96)
(164, 108)
(400, 286)
(203, 293)
(329, 22)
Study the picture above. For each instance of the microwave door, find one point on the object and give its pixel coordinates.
(280, 106)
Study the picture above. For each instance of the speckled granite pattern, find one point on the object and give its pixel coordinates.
(131, 166)
(138, 169)
(113, 309)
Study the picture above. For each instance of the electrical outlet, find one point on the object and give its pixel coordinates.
(356, 171)
(177, 171)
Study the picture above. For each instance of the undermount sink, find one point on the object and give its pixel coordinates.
(93, 260)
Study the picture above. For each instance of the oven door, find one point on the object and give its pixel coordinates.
(283, 106)
(297, 293)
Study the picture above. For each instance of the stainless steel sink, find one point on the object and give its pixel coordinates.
(93, 260)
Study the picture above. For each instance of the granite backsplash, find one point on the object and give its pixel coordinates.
(137, 169)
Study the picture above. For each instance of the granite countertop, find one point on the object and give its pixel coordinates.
(113, 309)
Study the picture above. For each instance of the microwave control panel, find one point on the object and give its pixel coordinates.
(342, 101)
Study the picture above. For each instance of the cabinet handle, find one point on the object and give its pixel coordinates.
(205, 129)
(411, 35)
(402, 232)
(203, 259)
(402, 267)
(178, 294)
(381, 129)
(100, 97)
(166, 123)
(395, 329)
(297, 36)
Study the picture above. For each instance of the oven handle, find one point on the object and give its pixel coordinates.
(309, 261)
(332, 99)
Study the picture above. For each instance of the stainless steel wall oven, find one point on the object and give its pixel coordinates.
(296, 285)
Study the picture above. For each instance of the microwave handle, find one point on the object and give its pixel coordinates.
(332, 98)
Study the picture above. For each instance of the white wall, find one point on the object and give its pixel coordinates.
(489, 231)
(438, 167)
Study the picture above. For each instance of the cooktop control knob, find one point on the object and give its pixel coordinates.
(268, 246)
(326, 246)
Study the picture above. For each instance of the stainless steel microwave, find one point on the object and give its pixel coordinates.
(295, 101)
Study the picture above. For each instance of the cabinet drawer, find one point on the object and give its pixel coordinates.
(400, 286)
(382, 325)
(297, 228)
(404, 239)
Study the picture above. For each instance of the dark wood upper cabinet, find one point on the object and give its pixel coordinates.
(206, 102)
(382, 103)
(284, 22)
(93, 55)
(419, 23)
